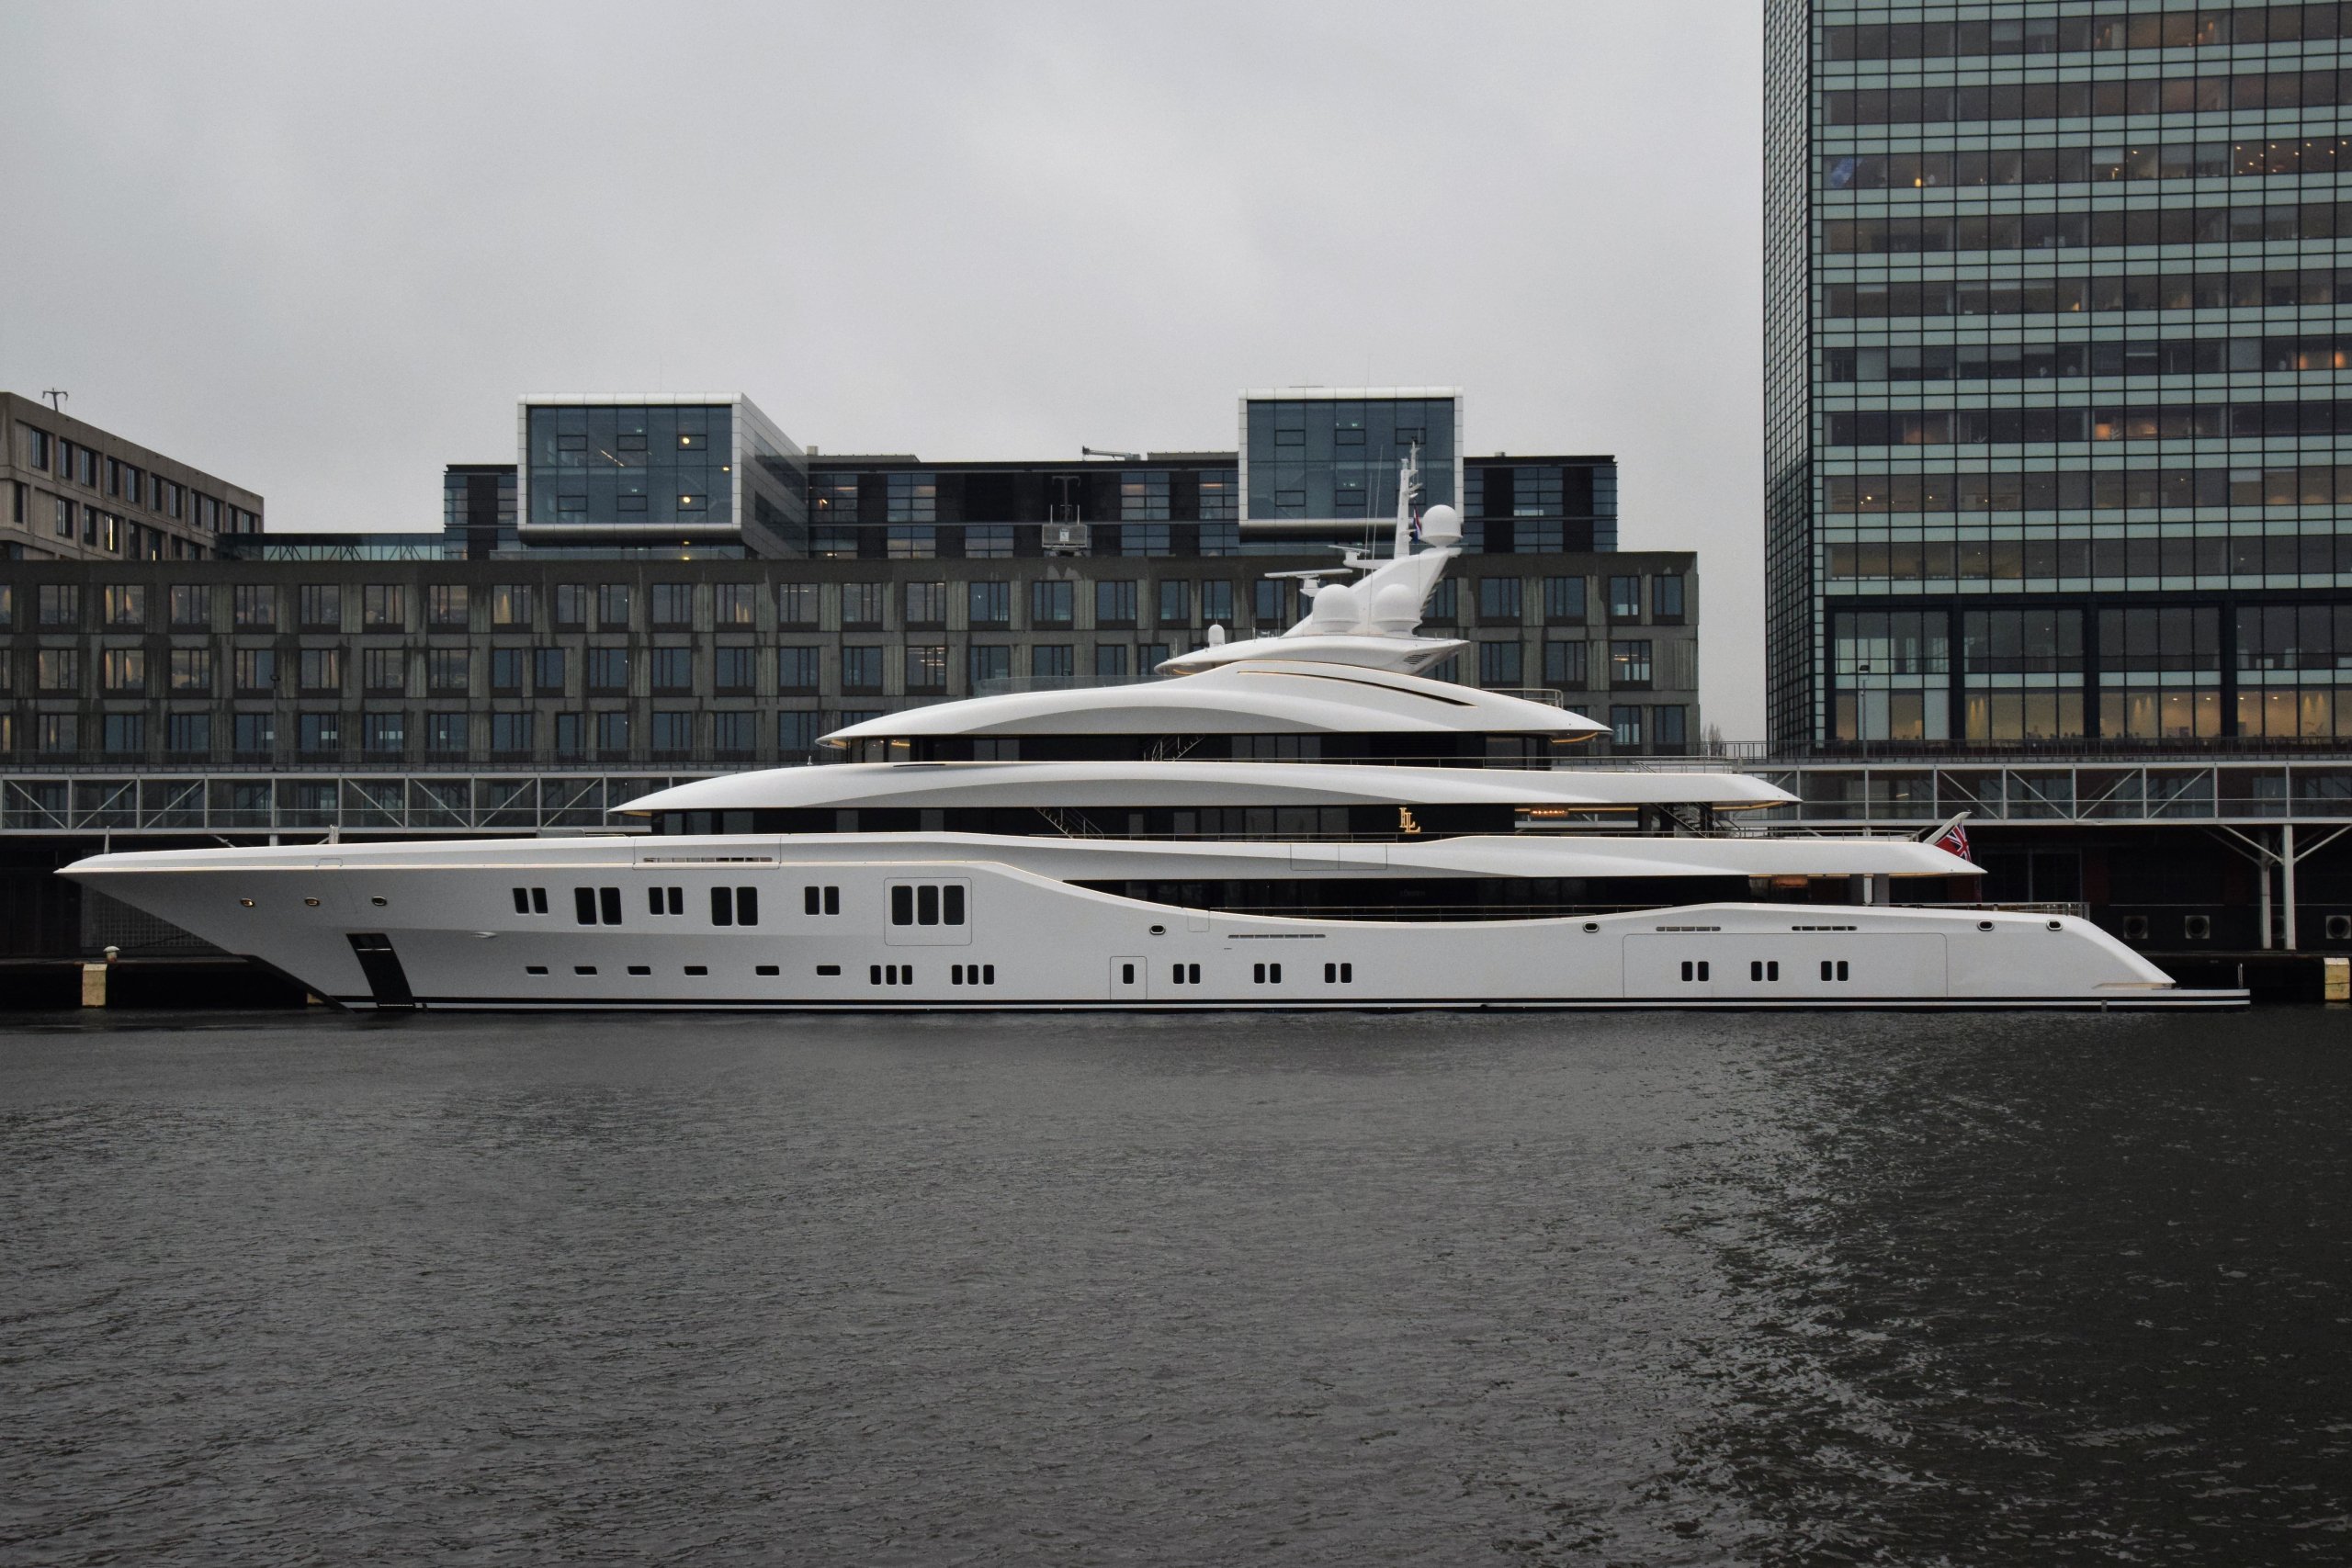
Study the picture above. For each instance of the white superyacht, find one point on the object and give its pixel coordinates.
(1299, 821)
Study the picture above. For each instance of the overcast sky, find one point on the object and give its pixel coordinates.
(320, 250)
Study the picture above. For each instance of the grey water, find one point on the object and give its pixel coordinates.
(1642, 1289)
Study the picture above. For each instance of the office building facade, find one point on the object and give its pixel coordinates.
(2057, 449)
(69, 491)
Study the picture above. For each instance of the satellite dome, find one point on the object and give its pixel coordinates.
(1338, 608)
(1395, 611)
(1441, 525)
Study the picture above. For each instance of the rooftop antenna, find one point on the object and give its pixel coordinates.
(1098, 452)
(57, 396)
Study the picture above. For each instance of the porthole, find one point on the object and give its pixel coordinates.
(1159, 930)
(246, 902)
(1984, 925)
(2057, 925)
(310, 903)
(380, 901)
(1592, 925)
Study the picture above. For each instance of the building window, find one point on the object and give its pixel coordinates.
(125, 604)
(673, 733)
(123, 671)
(1666, 598)
(571, 743)
(383, 607)
(731, 603)
(861, 668)
(1625, 728)
(673, 605)
(253, 734)
(446, 734)
(125, 733)
(926, 604)
(1498, 665)
(989, 663)
(511, 604)
(319, 605)
(795, 668)
(1216, 603)
(192, 670)
(796, 732)
(734, 736)
(191, 605)
(61, 604)
(1266, 606)
(1175, 604)
(57, 735)
(546, 671)
(189, 734)
(319, 669)
(512, 734)
(796, 604)
(571, 605)
(1050, 604)
(1667, 726)
(862, 605)
(1110, 664)
(926, 667)
(1499, 601)
(383, 733)
(1563, 665)
(672, 669)
(991, 604)
(447, 671)
(1624, 598)
(733, 670)
(58, 669)
(256, 669)
(612, 605)
(253, 607)
(1052, 661)
(1629, 665)
(507, 669)
(319, 732)
(1114, 604)
(444, 605)
(609, 670)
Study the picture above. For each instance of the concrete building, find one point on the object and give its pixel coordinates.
(71, 491)
(2058, 456)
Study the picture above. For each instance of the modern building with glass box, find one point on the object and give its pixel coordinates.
(2056, 302)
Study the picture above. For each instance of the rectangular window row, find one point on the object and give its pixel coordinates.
(2167, 422)
(1942, 104)
(2070, 296)
(2148, 28)
(2076, 165)
(1920, 233)
(971, 974)
(1906, 363)
(890, 974)
(927, 903)
(824, 900)
(2009, 560)
(2098, 490)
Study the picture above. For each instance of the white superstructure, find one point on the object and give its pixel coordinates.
(1296, 821)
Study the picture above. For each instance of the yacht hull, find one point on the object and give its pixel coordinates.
(615, 925)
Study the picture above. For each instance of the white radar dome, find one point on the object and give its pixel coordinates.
(1338, 608)
(1395, 610)
(1441, 525)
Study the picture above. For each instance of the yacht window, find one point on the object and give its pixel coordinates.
(535, 968)
(820, 900)
(722, 907)
(1185, 974)
(522, 901)
(1836, 971)
(610, 899)
(583, 969)
(1266, 974)
(539, 900)
(1339, 974)
(697, 969)
(1758, 969)
(927, 905)
(902, 904)
(665, 900)
(584, 905)
(747, 906)
(640, 969)
(952, 904)
(1694, 971)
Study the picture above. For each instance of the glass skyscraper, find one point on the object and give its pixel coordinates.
(2057, 298)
